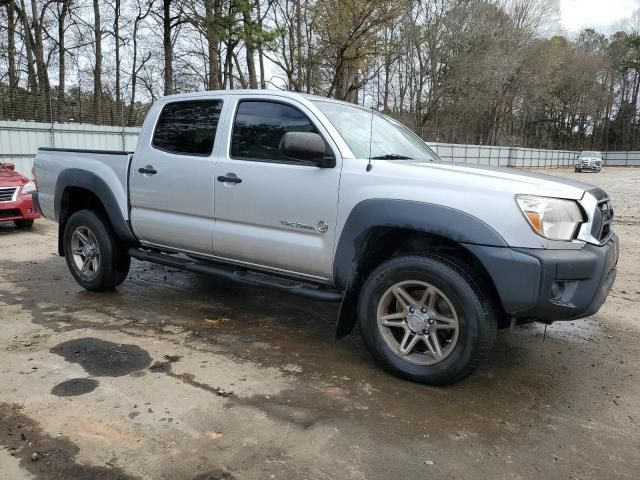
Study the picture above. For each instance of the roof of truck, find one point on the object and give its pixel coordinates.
(256, 92)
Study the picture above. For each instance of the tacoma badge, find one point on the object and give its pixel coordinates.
(322, 227)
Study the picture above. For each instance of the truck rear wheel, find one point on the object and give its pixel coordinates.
(94, 256)
(425, 319)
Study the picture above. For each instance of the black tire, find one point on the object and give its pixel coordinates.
(577, 170)
(114, 260)
(23, 223)
(477, 318)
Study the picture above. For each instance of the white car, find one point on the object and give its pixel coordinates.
(591, 161)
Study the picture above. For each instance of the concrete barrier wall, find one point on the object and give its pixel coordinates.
(20, 140)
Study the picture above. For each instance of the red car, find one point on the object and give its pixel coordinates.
(16, 202)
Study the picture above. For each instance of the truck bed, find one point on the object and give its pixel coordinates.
(111, 166)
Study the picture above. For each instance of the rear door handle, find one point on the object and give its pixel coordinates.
(149, 170)
(229, 178)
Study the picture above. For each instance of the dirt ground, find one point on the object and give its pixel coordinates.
(178, 376)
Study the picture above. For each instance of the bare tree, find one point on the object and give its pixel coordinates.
(12, 72)
(171, 19)
(62, 10)
(97, 68)
(142, 12)
(486, 71)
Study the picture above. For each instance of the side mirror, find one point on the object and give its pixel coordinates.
(9, 166)
(306, 146)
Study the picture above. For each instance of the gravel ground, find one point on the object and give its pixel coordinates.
(178, 376)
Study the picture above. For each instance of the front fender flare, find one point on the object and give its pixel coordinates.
(446, 222)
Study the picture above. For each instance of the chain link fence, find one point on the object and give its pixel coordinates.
(75, 106)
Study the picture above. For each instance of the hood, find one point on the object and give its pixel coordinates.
(516, 180)
(11, 178)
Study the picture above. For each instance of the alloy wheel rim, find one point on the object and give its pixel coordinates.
(86, 252)
(418, 322)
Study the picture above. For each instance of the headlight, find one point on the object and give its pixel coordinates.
(28, 188)
(552, 218)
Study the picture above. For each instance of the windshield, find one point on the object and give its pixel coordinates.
(390, 140)
(591, 155)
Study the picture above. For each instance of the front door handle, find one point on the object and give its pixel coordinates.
(229, 178)
(149, 170)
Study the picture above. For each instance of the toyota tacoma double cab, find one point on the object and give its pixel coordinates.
(337, 203)
(16, 202)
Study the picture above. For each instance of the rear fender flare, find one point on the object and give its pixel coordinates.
(75, 177)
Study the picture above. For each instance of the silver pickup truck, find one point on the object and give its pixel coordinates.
(337, 203)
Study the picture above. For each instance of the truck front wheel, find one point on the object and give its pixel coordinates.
(94, 256)
(426, 319)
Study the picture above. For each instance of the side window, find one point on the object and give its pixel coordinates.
(259, 127)
(188, 128)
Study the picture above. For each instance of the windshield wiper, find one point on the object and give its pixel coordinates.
(391, 156)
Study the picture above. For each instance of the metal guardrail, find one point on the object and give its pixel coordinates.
(524, 157)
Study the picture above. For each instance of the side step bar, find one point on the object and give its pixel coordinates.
(246, 277)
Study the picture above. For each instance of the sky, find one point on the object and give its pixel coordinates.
(597, 14)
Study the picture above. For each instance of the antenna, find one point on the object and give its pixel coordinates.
(370, 165)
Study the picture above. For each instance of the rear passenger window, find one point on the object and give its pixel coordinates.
(188, 128)
(259, 127)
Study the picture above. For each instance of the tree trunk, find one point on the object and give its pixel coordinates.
(228, 67)
(134, 72)
(11, 57)
(212, 10)
(167, 47)
(263, 80)
(243, 81)
(299, 68)
(135, 68)
(28, 46)
(62, 61)
(41, 66)
(97, 71)
(134, 78)
(634, 109)
(249, 46)
(116, 34)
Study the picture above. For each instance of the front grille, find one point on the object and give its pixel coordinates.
(7, 193)
(606, 214)
(11, 213)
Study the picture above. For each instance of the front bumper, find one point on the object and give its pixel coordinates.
(592, 167)
(22, 208)
(551, 285)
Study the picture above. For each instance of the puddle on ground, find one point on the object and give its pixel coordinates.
(101, 358)
(74, 387)
(166, 368)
